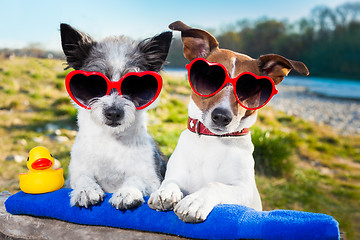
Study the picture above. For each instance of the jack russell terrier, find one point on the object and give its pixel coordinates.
(212, 163)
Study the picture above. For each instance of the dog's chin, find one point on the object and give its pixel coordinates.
(114, 127)
(117, 128)
(219, 130)
(234, 126)
(112, 124)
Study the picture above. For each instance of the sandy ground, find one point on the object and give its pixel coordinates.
(342, 115)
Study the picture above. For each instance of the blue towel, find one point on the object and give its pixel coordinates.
(224, 222)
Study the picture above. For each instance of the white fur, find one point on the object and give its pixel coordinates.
(210, 170)
(233, 67)
(110, 160)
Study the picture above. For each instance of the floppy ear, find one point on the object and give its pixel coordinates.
(76, 45)
(155, 51)
(277, 67)
(197, 42)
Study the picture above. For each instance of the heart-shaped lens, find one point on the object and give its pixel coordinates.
(141, 89)
(253, 92)
(84, 88)
(205, 79)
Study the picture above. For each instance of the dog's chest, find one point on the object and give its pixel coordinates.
(208, 159)
(113, 162)
(126, 162)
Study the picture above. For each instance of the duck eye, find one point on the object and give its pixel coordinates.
(27, 159)
(51, 155)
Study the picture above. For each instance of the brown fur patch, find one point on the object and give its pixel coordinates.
(226, 58)
(243, 62)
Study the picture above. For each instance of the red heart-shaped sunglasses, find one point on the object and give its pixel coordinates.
(141, 87)
(251, 91)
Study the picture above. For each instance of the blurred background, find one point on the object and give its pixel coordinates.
(323, 34)
(307, 139)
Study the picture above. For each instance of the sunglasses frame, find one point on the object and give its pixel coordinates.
(233, 81)
(111, 85)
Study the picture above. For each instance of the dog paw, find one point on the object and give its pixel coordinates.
(193, 208)
(127, 198)
(165, 198)
(85, 197)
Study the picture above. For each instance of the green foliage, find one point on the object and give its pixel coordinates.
(177, 112)
(308, 190)
(63, 74)
(60, 85)
(273, 152)
(165, 137)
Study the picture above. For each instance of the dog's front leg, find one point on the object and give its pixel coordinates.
(130, 194)
(86, 191)
(166, 197)
(197, 206)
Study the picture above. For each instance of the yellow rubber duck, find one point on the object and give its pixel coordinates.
(41, 177)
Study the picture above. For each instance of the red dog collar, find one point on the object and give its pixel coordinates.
(198, 127)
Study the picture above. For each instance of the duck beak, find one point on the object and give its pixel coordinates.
(41, 164)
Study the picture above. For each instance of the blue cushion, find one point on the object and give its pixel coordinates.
(224, 222)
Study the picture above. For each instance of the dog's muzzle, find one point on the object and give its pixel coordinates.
(221, 117)
(113, 116)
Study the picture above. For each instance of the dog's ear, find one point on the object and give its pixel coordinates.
(277, 67)
(155, 51)
(197, 42)
(76, 45)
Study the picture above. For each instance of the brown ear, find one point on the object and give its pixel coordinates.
(277, 67)
(197, 42)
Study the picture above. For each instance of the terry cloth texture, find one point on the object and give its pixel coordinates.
(224, 222)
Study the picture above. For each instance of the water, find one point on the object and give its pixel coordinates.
(328, 87)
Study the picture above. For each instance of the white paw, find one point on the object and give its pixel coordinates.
(85, 197)
(165, 198)
(194, 208)
(126, 198)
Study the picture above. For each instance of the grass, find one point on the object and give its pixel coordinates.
(273, 157)
(300, 165)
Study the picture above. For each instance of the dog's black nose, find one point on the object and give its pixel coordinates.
(221, 117)
(113, 116)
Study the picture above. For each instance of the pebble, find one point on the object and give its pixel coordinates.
(39, 139)
(57, 132)
(17, 121)
(22, 142)
(51, 127)
(5, 194)
(16, 158)
(59, 139)
(343, 115)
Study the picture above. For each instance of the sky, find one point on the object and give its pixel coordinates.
(24, 22)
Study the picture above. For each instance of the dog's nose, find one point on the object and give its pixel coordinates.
(113, 115)
(221, 117)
